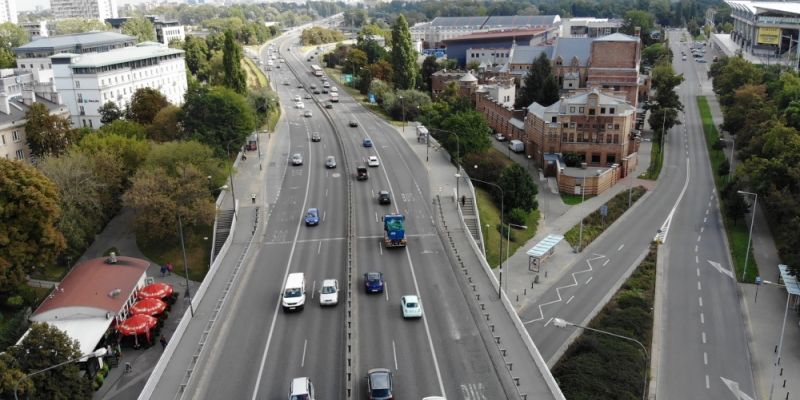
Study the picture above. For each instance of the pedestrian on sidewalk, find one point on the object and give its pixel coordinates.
(169, 268)
(128, 368)
(253, 197)
(163, 270)
(163, 341)
(463, 200)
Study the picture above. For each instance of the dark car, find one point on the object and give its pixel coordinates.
(353, 123)
(324, 91)
(367, 142)
(312, 217)
(315, 137)
(384, 197)
(380, 384)
(316, 91)
(299, 85)
(329, 106)
(373, 282)
(313, 86)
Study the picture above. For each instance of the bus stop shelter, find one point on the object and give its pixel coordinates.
(539, 253)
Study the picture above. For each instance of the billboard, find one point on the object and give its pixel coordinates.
(769, 35)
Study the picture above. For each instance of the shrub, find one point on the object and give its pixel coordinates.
(724, 168)
(15, 301)
(517, 216)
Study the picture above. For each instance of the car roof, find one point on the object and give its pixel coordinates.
(296, 155)
(371, 157)
(299, 385)
(373, 275)
(328, 282)
(411, 298)
(380, 378)
(383, 192)
(312, 209)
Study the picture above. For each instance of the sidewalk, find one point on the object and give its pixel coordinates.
(764, 317)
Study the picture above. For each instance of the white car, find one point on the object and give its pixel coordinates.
(307, 114)
(329, 294)
(299, 104)
(297, 159)
(334, 89)
(373, 161)
(297, 99)
(411, 307)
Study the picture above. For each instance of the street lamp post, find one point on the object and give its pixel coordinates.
(403, 107)
(97, 353)
(560, 323)
(502, 213)
(750, 236)
(733, 159)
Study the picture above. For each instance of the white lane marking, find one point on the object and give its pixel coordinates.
(376, 217)
(620, 247)
(303, 360)
(709, 204)
(278, 303)
(386, 290)
(570, 299)
(698, 286)
(707, 212)
(698, 237)
(704, 338)
(606, 262)
(326, 192)
(323, 216)
(589, 280)
(319, 248)
(548, 322)
(702, 318)
(708, 386)
(700, 300)
(313, 289)
(705, 358)
(720, 269)
(558, 289)
(696, 260)
(698, 271)
(380, 248)
(662, 235)
(394, 351)
(702, 228)
(705, 219)
(696, 248)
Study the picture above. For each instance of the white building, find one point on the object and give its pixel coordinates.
(8, 11)
(167, 31)
(433, 33)
(488, 56)
(589, 27)
(99, 9)
(36, 29)
(86, 82)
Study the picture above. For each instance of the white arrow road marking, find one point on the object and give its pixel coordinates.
(722, 270)
(734, 388)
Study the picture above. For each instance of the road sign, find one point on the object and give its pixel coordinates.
(347, 78)
(372, 98)
(604, 210)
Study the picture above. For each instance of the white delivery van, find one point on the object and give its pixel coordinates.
(516, 146)
(294, 292)
(334, 97)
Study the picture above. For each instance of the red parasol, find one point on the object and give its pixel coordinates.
(137, 325)
(156, 290)
(148, 307)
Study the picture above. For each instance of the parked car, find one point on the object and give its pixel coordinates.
(367, 142)
(372, 161)
(297, 159)
(379, 384)
(411, 307)
(373, 282)
(384, 197)
(500, 137)
(329, 294)
(330, 162)
(312, 217)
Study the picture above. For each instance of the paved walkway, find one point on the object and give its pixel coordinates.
(764, 315)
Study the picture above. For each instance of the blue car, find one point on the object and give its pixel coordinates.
(312, 217)
(373, 282)
(367, 142)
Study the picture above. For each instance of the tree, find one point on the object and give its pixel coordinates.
(43, 347)
(382, 70)
(410, 105)
(108, 150)
(733, 73)
(734, 204)
(80, 25)
(166, 125)
(540, 84)
(667, 103)
(197, 55)
(11, 36)
(172, 156)
(231, 56)
(145, 104)
(109, 112)
(263, 101)
(216, 117)
(373, 50)
(124, 127)
(520, 191)
(356, 59)
(638, 19)
(11, 377)
(472, 131)
(29, 211)
(654, 53)
(473, 65)
(140, 27)
(48, 134)
(404, 58)
(429, 67)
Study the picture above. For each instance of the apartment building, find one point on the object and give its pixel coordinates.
(8, 11)
(87, 9)
(36, 30)
(589, 27)
(87, 81)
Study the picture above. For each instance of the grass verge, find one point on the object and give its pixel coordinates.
(255, 78)
(571, 199)
(594, 224)
(598, 366)
(490, 215)
(737, 232)
(198, 251)
(656, 162)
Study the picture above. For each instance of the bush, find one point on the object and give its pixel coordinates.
(517, 216)
(724, 168)
(15, 301)
(718, 145)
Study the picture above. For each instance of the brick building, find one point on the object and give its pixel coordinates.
(615, 65)
(593, 125)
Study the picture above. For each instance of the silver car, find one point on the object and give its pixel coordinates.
(297, 159)
(330, 162)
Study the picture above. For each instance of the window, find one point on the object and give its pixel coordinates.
(565, 125)
(554, 120)
(611, 158)
(14, 137)
(602, 110)
(20, 154)
(80, 97)
(90, 124)
(591, 111)
(611, 110)
(595, 158)
(616, 127)
(3, 140)
(572, 110)
(610, 126)
(77, 84)
(82, 111)
(572, 125)
(84, 123)
(580, 110)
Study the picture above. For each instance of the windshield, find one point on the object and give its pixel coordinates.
(328, 290)
(380, 393)
(411, 305)
(294, 292)
(311, 215)
(299, 397)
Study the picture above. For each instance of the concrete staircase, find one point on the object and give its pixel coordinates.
(469, 212)
(223, 229)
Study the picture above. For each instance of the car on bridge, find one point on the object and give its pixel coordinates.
(380, 384)
(329, 294)
(315, 137)
(373, 282)
(353, 123)
(301, 389)
(297, 159)
(372, 161)
(312, 217)
(330, 162)
(411, 307)
(384, 197)
(367, 142)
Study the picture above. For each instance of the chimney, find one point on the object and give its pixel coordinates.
(4, 107)
(637, 31)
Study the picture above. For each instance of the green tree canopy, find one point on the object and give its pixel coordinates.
(232, 66)
(319, 35)
(79, 25)
(29, 211)
(472, 132)
(197, 54)
(429, 67)
(145, 104)
(540, 86)
(48, 134)
(216, 117)
(404, 58)
(124, 127)
(731, 74)
(638, 19)
(110, 112)
(520, 191)
(11, 35)
(166, 125)
(141, 28)
(43, 347)
(130, 152)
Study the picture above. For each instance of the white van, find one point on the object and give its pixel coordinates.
(294, 292)
(516, 146)
(301, 389)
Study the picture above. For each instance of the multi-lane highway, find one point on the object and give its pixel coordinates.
(704, 337)
(257, 349)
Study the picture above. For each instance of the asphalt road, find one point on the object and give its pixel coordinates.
(704, 333)
(258, 349)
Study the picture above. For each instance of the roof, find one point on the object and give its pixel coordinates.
(571, 47)
(792, 286)
(87, 331)
(544, 246)
(468, 77)
(498, 34)
(515, 21)
(117, 56)
(760, 7)
(92, 289)
(458, 21)
(581, 99)
(18, 110)
(78, 40)
(617, 37)
(526, 54)
(517, 123)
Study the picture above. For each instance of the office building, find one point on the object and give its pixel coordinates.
(86, 9)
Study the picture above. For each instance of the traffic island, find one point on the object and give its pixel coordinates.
(581, 235)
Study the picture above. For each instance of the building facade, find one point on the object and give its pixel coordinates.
(499, 41)
(615, 65)
(87, 9)
(434, 33)
(167, 31)
(36, 30)
(594, 126)
(8, 11)
(34, 56)
(88, 81)
(765, 28)
(589, 27)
